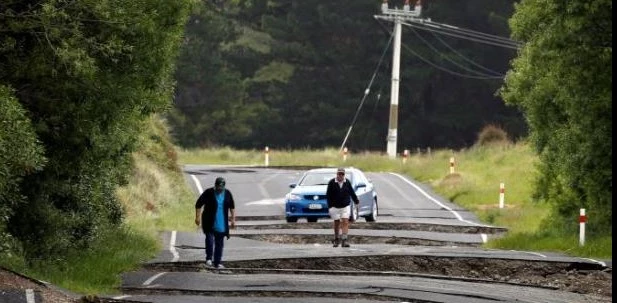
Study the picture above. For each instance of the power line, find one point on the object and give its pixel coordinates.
(366, 92)
(451, 60)
(444, 68)
(465, 58)
(461, 34)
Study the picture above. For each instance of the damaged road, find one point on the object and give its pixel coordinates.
(422, 248)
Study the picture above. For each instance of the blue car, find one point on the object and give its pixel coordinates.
(307, 199)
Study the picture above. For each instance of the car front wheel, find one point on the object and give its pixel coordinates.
(291, 219)
(373, 216)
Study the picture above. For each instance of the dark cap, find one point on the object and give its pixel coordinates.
(220, 181)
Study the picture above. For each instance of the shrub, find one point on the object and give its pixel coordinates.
(20, 154)
(492, 134)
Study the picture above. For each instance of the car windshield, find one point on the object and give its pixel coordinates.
(320, 178)
(316, 178)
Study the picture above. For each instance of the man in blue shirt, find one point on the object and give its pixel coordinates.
(213, 210)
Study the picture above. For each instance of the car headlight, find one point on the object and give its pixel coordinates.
(292, 197)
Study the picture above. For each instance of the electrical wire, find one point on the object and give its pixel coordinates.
(466, 31)
(465, 58)
(440, 30)
(366, 91)
(453, 61)
(440, 67)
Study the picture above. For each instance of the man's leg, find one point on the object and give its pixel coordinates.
(209, 245)
(219, 242)
(345, 230)
(345, 226)
(337, 227)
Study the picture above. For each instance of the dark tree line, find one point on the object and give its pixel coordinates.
(292, 74)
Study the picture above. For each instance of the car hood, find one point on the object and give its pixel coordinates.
(310, 190)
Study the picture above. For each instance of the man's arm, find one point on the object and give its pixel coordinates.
(232, 221)
(329, 194)
(197, 216)
(352, 193)
(199, 206)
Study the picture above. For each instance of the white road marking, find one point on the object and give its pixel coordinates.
(456, 214)
(30, 296)
(172, 247)
(531, 252)
(199, 188)
(262, 184)
(596, 261)
(121, 297)
(149, 281)
(279, 201)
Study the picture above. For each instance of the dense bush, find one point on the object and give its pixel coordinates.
(562, 81)
(20, 155)
(87, 75)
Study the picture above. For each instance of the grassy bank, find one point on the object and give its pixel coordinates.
(156, 198)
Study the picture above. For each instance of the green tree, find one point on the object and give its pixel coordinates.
(562, 81)
(252, 68)
(88, 73)
(21, 154)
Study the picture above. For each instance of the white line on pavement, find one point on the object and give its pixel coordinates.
(531, 252)
(456, 214)
(596, 261)
(147, 282)
(172, 247)
(199, 188)
(262, 185)
(121, 297)
(30, 296)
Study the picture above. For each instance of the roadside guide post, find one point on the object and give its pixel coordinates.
(502, 189)
(267, 156)
(345, 153)
(451, 165)
(405, 155)
(582, 219)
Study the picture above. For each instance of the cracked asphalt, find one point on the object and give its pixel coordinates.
(422, 248)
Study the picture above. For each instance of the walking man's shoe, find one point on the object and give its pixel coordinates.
(335, 242)
(344, 243)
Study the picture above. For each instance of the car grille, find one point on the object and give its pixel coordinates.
(312, 197)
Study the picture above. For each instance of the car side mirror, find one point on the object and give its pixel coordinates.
(292, 185)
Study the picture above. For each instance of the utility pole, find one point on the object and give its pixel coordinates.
(397, 16)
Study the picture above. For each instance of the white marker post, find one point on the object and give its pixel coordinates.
(345, 153)
(451, 165)
(502, 193)
(267, 156)
(582, 219)
(405, 155)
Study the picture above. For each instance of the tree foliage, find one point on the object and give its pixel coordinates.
(87, 73)
(21, 154)
(562, 82)
(253, 68)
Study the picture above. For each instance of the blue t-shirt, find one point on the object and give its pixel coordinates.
(219, 217)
